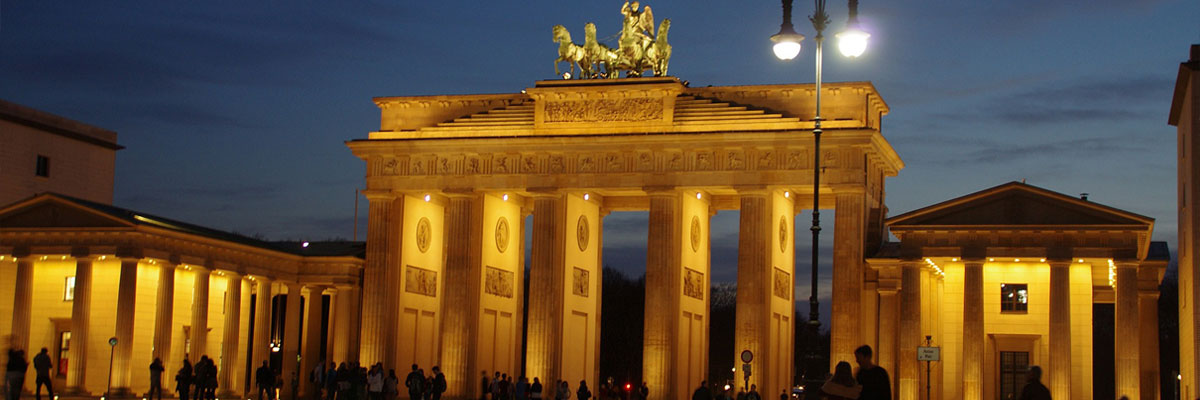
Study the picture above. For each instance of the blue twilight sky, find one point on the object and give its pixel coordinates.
(235, 113)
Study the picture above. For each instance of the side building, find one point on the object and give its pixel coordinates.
(42, 152)
(75, 273)
(1011, 277)
(1185, 116)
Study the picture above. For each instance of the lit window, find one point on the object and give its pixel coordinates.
(1014, 297)
(43, 166)
(69, 289)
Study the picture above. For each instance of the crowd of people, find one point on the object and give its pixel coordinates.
(501, 386)
(349, 381)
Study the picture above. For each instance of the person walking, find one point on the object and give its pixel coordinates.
(876, 385)
(439, 383)
(1034, 389)
(14, 375)
(42, 365)
(702, 392)
(156, 371)
(183, 379)
(842, 385)
(389, 385)
(535, 390)
(414, 382)
(265, 379)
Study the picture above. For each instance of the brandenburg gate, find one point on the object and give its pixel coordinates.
(451, 180)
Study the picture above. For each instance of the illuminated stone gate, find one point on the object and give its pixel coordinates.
(450, 180)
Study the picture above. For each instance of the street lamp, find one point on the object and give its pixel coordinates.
(852, 43)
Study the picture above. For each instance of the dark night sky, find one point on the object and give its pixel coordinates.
(235, 113)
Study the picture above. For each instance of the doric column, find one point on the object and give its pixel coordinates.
(260, 350)
(81, 315)
(199, 331)
(291, 342)
(345, 304)
(660, 338)
(230, 334)
(311, 354)
(546, 290)
(889, 315)
(848, 237)
(1059, 373)
(1148, 338)
(1126, 360)
(753, 295)
(22, 303)
(122, 362)
(972, 335)
(353, 297)
(164, 311)
(461, 308)
(380, 278)
(909, 373)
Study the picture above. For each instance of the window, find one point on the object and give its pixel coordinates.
(1014, 297)
(69, 289)
(64, 347)
(1013, 367)
(43, 166)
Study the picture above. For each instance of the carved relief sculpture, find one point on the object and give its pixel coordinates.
(502, 234)
(580, 282)
(693, 283)
(783, 284)
(605, 110)
(498, 282)
(695, 230)
(423, 234)
(582, 233)
(783, 233)
(420, 281)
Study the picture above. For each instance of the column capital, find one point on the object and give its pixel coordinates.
(1123, 264)
(1059, 262)
(752, 190)
(197, 269)
(231, 274)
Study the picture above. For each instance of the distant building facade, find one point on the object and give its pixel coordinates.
(42, 152)
(1185, 115)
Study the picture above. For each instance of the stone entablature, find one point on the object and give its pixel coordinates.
(82, 234)
(628, 106)
(514, 142)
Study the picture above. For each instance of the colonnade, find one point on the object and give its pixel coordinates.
(443, 271)
(158, 332)
(916, 299)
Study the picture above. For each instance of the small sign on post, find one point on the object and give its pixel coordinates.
(929, 353)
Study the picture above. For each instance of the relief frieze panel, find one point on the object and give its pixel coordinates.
(420, 281)
(693, 283)
(498, 282)
(604, 110)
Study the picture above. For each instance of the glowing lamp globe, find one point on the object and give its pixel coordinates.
(787, 42)
(786, 50)
(853, 42)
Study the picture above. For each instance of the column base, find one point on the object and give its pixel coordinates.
(74, 392)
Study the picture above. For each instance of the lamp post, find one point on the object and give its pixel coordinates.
(852, 42)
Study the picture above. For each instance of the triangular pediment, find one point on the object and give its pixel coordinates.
(51, 211)
(1016, 204)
